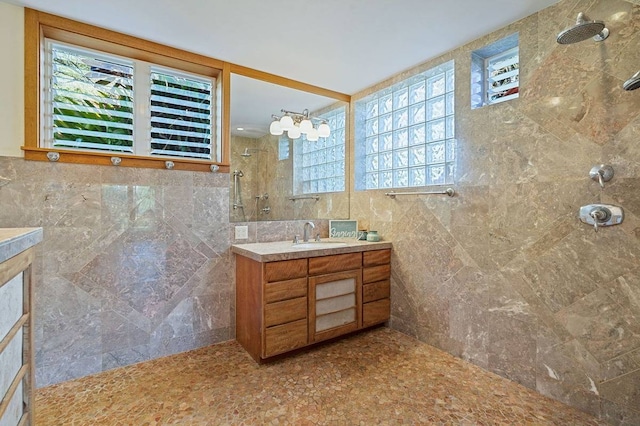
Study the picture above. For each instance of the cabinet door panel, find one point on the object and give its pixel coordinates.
(286, 337)
(376, 291)
(376, 257)
(376, 273)
(286, 311)
(376, 312)
(283, 290)
(334, 304)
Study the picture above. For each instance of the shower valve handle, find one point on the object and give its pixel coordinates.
(599, 215)
(602, 173)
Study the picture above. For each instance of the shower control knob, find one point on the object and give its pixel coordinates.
(602, 173)
(600, 215)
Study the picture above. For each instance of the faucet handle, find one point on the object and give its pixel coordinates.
(296, 239)
(602, 173)
(317, 237)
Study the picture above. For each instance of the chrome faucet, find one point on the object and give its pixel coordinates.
(307, 228)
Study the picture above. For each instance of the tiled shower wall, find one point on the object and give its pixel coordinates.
(504, 275)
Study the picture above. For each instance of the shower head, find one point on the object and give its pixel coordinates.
(246, 153)
(633, 83)
(583, 29)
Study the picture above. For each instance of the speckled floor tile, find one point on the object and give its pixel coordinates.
(376, 377)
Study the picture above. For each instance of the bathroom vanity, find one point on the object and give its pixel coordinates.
(289, 296)
(17, 383)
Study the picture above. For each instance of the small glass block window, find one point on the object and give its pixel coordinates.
(405, 133)
(283, 148)
(319, 166)
(495, 72)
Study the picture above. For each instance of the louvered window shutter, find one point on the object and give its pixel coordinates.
(91, 100)
(503, 75)
(181, 115)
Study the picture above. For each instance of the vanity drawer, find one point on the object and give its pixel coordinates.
(376, 257)
(283, 338)
(285, 270)
(283, 290)
(335, 263)
(376, 312)
(285, 311)
(376, 291)
(376, 273)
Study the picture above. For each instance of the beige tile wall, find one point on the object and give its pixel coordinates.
(504, 275)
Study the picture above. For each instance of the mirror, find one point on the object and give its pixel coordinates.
(278, 178)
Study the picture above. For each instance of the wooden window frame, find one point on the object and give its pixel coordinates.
(39, 25)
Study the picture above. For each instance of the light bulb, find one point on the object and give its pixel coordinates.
(312, 135)
(294, 132)
(286, 122)
(275, 128)
(323, 130)
(305, 126)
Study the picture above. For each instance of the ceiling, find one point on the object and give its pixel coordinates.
(342, 45)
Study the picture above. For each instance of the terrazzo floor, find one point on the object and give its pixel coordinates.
(376, 377)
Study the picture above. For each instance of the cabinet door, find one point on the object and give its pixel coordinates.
(334, 304)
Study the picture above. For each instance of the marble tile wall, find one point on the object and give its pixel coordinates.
(504, 275)
(134, 264)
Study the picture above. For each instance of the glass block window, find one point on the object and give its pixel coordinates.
(495, 72)
(283, 148)
(320, 166)
(405, 133)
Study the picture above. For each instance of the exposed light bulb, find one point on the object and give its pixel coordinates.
(294, 132)
(286, 122)
(323, 130)
(312, 135)
(305, 126)
(275, 128)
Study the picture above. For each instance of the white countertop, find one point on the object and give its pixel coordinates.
(17, 240)
(286, 250)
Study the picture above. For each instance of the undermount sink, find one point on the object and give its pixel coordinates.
(318, 245)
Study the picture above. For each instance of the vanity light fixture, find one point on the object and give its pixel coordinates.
(297, 124)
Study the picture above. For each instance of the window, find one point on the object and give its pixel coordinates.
(405, 133)
(320, 166)
(283, 148)
(93, 98)
(100, 94)
(495, 72)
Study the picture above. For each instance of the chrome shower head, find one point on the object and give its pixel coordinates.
(583, 29)
(246, 153)
(633, 83)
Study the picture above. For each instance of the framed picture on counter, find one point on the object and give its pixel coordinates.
(343, 229)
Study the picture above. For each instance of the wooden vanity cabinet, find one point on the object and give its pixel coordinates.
(285, 305)
(376, 287)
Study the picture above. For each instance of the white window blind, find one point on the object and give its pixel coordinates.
(503, 75)
(91, 100)
(98, 101)
(181, 115)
